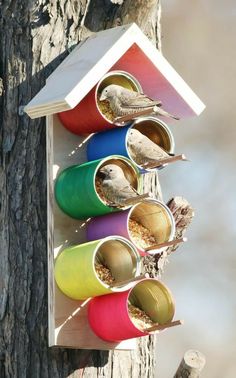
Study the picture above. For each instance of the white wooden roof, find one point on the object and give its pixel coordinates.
(90, 60)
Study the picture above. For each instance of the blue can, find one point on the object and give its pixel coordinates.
(114, 141)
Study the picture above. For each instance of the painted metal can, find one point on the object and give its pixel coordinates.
(151, 214)
(75, 267)
(109, 315)
(115, 141)
(89, 116)
(76, 192)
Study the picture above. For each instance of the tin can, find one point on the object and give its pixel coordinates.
(88, 116)
(109, 315)
(75, 267)
(151, 213)
(116, 141)
(76, 192)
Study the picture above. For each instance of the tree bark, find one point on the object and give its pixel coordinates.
(35, 36)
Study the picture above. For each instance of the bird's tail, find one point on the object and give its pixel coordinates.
(133, 200)
(162, 112)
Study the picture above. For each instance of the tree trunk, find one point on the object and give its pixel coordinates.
(35, 37)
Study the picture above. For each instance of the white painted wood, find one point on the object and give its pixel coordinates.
(67, 319)
(90, 60)
(82, 70)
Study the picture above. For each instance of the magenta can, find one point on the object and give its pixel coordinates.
(110, 318)
(151, 213)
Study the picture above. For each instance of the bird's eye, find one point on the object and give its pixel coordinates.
(110, 170)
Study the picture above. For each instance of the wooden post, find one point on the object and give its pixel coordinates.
(166, 244)
(130, 117)
(126, 282)
(134, 200)
(160, 327)
(167, 160)
(191, 365)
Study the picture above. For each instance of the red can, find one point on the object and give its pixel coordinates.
(110, 318)
(88, 116)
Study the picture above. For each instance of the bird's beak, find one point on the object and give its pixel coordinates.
(102, 173)
(103, 97)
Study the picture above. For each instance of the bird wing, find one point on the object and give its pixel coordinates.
(153, 151)
(138, 100)
(128, 189)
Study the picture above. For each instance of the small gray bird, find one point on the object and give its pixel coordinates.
(124, 101)
(116, 188)
(142, 149)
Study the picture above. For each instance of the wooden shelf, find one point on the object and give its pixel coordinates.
(68, 324)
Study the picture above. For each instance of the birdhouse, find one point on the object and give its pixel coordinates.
(124, 56)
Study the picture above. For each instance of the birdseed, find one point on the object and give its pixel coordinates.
(98, 185)
(139, 317)
(104, 273)
(141, 235)
(105, 109)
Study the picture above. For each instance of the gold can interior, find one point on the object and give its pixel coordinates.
(120, 258)
(119, 78)
(130, 174)
(154, 299)
(154, 217)
(156, 131)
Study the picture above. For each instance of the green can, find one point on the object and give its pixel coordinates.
(76, 192)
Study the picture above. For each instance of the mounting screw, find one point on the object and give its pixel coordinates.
(21, 111)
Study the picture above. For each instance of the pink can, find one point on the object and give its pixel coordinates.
(110, 318)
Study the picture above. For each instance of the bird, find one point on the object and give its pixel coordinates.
(142, 149)
(124, 101)
(115, 186)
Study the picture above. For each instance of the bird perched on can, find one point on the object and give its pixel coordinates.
(116, 188)
(142, 149)
(124, 101)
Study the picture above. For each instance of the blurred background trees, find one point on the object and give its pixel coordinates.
(198, 38)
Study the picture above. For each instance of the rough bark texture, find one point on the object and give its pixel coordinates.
(35, 36)
(183, 214)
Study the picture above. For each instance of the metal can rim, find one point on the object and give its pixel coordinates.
(121, 73)
(134, 250)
